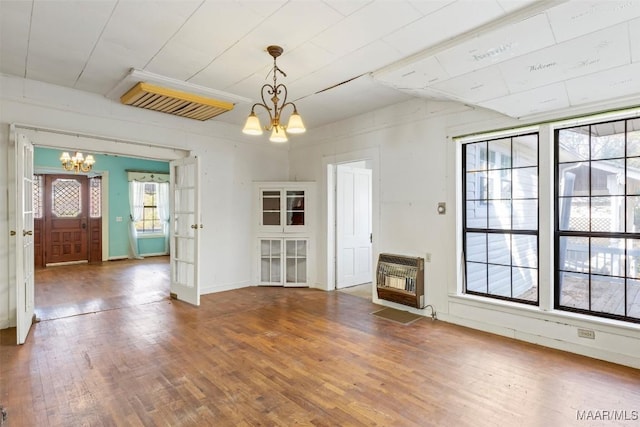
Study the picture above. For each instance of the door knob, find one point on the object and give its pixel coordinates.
(27, 233)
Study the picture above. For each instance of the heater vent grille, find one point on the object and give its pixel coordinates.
(174, 102)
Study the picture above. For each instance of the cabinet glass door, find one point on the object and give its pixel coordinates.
(295, 207)
(271, 261)
(271, 207)
(296, 262)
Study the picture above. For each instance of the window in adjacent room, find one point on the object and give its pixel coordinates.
(150, 220)
(500, 220)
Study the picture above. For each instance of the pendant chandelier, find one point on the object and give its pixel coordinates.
(77, 163)
(278, 97)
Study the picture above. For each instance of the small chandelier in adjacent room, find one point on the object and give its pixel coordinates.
(77, 163)
(275, 91)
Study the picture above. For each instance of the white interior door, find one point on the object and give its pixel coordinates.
(353, 226)
(185, 229)
(24, 256)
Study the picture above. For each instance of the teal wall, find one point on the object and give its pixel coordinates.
(118, 195)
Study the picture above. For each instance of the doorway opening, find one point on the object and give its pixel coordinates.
(352, 222)
(71, 210)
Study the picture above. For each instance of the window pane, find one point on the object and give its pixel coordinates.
(633, 298)
(633, 175)
(633, 137)
(574, 254)
(525, 214)
(499, 184)
(607, 177)
(525, 183)
(633, 258)
(476, 156)
(499, 154)
(606, 214)
(573, 144)
(607, 294)
(476, 277)
(525, 283)
(476, 185)
(574, 213)
(500, 280)
(524, 251)
(607, 256)
(574, 179)
(499, 251)
(633, 214)
(574, 290)
(476, 249)
(607, 140)
(525, 150)
(476, 214)
(500, 214)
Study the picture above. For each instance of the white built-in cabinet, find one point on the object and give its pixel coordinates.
(283, 234)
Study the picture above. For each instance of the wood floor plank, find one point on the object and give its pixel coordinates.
(281, 357)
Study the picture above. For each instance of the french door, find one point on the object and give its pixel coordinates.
(23, 252)
(185, 229)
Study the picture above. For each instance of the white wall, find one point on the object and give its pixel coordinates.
(416, 167)
(229, 163)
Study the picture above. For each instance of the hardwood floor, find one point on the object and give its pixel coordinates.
(69, 290)
(265, 356)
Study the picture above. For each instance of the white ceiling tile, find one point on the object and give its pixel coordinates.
(426, 7)
(615, 83)
(497, 46)
(369, 23)
(579, 17)
(473, 87)
(76, 26)
(346, 8)
(264, 8)
(513, 5)
(14, 36)
(539, 100)
(588, 54)
(443, 24)
(634, 39)
(206, 34)
(415, 75)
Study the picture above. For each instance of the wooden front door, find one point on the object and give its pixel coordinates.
(66, 218)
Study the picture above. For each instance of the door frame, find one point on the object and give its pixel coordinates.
(329, 167)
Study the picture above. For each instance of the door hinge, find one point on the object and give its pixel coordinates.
(12, 233)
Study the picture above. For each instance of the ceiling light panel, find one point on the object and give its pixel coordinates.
(589, 54)
(539, 100)
(577, 18)
(497, 46)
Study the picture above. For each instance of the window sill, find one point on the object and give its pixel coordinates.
(150, 235)
(540, 314)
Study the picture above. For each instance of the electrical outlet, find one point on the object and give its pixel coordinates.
(118, 219)
(586, 333)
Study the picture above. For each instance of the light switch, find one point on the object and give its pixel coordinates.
(118, 219)
(442, 208)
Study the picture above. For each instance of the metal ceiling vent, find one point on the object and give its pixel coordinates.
(174, 102)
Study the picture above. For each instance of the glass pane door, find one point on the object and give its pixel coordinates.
(296, 264)
(271, 207)
(295, 207)
(271, 261)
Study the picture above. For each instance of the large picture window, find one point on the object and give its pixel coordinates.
(597, 236)
(500, 221)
